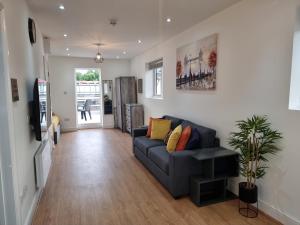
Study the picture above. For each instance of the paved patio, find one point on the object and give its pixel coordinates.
(96, 118)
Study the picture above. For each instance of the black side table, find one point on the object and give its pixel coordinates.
(217, 165)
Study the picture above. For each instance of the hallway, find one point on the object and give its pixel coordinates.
(96, 180)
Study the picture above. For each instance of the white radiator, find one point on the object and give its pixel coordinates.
(43, 160)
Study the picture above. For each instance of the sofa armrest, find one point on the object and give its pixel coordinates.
(138, 132)
(182, 163)
(181, 167)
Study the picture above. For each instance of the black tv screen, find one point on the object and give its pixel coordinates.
(39, 108)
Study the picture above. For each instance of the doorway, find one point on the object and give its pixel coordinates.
(88, 98)
(8, 191)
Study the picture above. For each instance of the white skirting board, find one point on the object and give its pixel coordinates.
(266, 207)
(277, 214)
(67, 130)
(33, 208)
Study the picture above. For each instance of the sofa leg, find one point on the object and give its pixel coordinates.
(176, 197)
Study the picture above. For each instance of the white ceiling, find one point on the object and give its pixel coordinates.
(87, 22)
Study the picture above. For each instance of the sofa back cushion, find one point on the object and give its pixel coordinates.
(168, 136)
(207, 135)
(194, 141)
(175, 122)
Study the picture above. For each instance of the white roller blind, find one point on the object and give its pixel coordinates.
(155, 64)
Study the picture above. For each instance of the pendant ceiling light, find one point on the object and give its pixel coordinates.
(99, 58)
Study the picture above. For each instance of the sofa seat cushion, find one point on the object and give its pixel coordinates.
(160, 157)
(144, 143)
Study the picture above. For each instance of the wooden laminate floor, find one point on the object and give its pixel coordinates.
(95, 180)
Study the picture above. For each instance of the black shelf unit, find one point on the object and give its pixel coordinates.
(210, 186)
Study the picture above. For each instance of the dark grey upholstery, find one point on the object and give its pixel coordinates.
(144, 143)
(160, 157)
(172, 170)
(162, 177)
(182, 167)
(208, 135)
(174, 121)
(140, 132)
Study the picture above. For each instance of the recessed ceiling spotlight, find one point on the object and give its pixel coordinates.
(61, 7)
(69, 54)
(140, 41)
(113, 22)
(124, 52)
(118, 57)
(65, 35)
(169, 20)
(67, 49)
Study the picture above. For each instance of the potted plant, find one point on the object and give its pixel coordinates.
(255, 140)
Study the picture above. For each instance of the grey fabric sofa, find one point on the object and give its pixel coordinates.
(173, 170)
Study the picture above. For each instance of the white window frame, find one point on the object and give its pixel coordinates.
(151, 79)
(155, 82)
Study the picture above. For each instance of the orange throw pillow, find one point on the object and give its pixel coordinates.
(149, 127)
(184, 138)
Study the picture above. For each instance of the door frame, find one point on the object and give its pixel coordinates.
(2, 206)
(9, 175)
(92, 125)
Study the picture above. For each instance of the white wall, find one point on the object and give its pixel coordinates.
(294, 103)
(2, 215)
(62, 79)
(253, 77)
(25, 64)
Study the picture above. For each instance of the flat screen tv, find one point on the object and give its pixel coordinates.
(39, 108)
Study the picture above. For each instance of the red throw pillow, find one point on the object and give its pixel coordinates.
(184, 138)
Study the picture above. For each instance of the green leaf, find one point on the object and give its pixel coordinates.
(256, 141)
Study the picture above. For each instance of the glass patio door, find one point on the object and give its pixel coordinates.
(88, 98)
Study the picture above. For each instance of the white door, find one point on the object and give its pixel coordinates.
(7, 191)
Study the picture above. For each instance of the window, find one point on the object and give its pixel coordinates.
(294, 101)
(154, 79)
(157, 82)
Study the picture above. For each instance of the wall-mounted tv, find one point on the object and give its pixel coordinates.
(39, 108)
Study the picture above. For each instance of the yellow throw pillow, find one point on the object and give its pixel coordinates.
(174, 138)
(160, 129)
